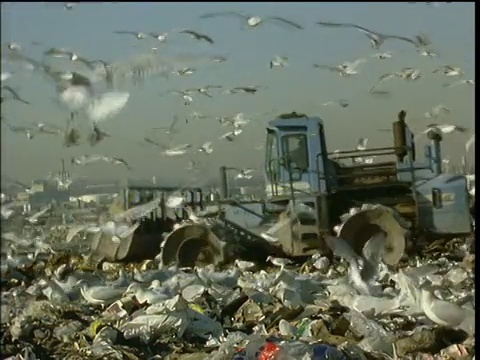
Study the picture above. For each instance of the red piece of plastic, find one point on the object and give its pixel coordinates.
(270, 351)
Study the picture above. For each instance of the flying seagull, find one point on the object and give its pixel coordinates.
(170, 129)
(160, 37)
(184, 71)
(203, 90)
(460, 82)
(88, 159)
(197, 36)
(44, 128)
(185, 96)
(242, 89)
(254, 21)
(427, 52)
(376, 39)
(342, 103)
(442, 129)
(436, 111)
(14, 94)
(206, 148)
(383, 56)
(449, 70)
(231, 135)
(278, 61)
(176, 150)
(219, 58)
(5, 76)
(63, 53)
(405, 73)
(28, 131)
(447, 128)
(345, 69)
(71, 134)
(138, 35)
(96, 135)
(245, 174)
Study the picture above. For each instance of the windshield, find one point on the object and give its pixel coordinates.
(271, 157)
(139, 197)
(296, 149)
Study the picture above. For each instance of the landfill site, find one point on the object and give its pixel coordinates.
(259, 234)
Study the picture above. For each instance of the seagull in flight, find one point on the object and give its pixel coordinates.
(88, 159)
(170, 129)
(159, 37)
(97, 135)
(177, 150)
(245, 174)
(14, 95)
(460, 82)
(206, 148)
(197, 36)
(447, 128)
(184, 71)
(469, 143)
(43, 128)
(345, 69)
(278, 61)
(203, 90)
(71, 134)
(28, 131)
(242, 89)
(185, 96)
(231, 135)
(427, 52)
(449, 70)
(376, 39)
(63, 53)
(219, 59)
(254, 21)
(442, 129)
(437, 111)
(5, 76)
(138, 35)
(237, 121)
(383, 56)
(362, 144)
(405, 73)
(342, 103)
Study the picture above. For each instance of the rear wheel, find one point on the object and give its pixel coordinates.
(194, 252)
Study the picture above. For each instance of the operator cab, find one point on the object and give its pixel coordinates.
(292, 157)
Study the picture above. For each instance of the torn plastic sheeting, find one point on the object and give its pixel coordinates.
(375, 337)
(148, 327)
(25, 355)
(379, 306)
(203, 326)
(104, 350)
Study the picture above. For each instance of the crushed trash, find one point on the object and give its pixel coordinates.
(59, 303)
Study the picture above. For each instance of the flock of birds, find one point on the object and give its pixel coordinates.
(80, 91)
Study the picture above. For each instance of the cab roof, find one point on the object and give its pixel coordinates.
(293, 119)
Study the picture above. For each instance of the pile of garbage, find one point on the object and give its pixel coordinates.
(57, 303)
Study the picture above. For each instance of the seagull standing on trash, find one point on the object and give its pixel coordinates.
(280, 262)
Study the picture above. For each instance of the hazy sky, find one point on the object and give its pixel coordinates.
(88, 30)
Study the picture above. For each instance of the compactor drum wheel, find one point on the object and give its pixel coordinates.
(360, 227)
(191, 245)
(143, 244)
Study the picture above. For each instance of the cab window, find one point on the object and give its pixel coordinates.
(295, 148)
(271, 158)
(139, 197)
